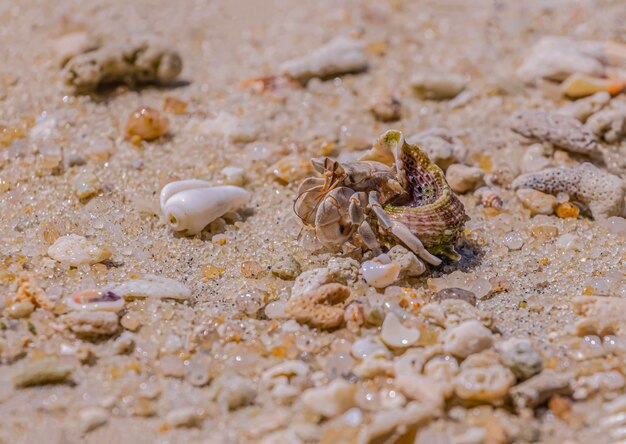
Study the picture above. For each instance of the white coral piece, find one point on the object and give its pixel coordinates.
(602, 192)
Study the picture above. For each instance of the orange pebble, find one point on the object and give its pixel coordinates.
(174, 105)
(567, 209)
(146, 124)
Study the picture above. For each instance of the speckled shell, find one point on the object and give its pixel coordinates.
(431, 210)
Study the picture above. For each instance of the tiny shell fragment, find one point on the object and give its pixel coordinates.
(396, 335)
(41, 372)
(153, 287)
(76, 250)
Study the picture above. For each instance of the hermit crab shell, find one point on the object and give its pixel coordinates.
(430, 209)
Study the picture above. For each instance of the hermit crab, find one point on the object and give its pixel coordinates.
(368, 201)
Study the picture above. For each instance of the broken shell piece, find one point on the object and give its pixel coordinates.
(536, 201)
(380, 272)
(95, 300)
(438, 86)
(341, 55)
(233, 175)
(154, 287)
(76, 250)
(40, 372)
(581, 85)
(140, 60)
(191, 205)
(467, 338)
(483, 378)
(396, 335)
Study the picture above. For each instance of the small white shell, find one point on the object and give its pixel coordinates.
(190, 205)
(154, 287)
(396, 335)
(95, 300)
(380, 272)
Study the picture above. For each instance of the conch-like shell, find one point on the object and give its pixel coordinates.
(190, 205)
(430, 210)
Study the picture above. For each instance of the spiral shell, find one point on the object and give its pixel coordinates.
(430, 210)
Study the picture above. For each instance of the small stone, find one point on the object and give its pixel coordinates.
(467, 338)
(410, 265)
(438, 85)
(387, 108)
(455, 293)
(174, 106)
(131, 321)
(520, 356)
(92, 323)
(153, 287)
(536, 201)
(20, 310)
(567, 210)
(463, 178)
(291, 168)
(184, 417)
(252, 269)
(86, 185)
(396, 335)
(513, 240)
(76, 250)
(41, 372)
(483, 378)
(538, 389)
(330, 400)
(232, 175)
(146, 124)
(92, 417)
(286, 267)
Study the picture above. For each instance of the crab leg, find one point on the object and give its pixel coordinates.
(369, 237)
(400, 231)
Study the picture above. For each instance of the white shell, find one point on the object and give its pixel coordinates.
(190, 205)
(396, 335)
(380, 272)
(153, 287)
(95, 300)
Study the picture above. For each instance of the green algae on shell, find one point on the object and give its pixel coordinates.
(430, 210)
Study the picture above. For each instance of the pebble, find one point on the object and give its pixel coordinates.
(86, 185)
(521, 357)
(387, 108)
(292, 168)
(410, 265)
(92, 323)
(232, 175)
(513, 240)
(330, 400)
(538, 389)
(557, 57)
(131, 321)
(568, 241)
(567, 210)
(463, 178)
(286, 267)
(380, 272)
(467, 338)
(146, 124)
(395, 335)
(339, 56)
(76, 250)
(184, 417)
(455, 293)
(536, 201)
(41, 372)
(438, 85)
(153, 287)
(561, 130)
(20, 309)
(92, 417)
(370, 345)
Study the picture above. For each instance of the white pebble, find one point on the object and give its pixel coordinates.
(463, 178)
(380, 272)
(330, 400)
(568, 241)
(467, 338)
(154, 287)
(92, 418)
(183, 417)
(232, 175)
(76, 250)
(396, 335)
(513, 240)
(438, 85)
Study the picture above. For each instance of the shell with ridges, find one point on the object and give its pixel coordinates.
(431, 210)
